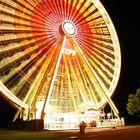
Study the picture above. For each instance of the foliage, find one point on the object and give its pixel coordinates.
(133, 105)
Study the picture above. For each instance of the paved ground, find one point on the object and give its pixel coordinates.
(118, 133)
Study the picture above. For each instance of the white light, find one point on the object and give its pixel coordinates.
(69, 28)
(69, 52)
(39, 106)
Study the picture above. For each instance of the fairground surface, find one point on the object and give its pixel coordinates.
(118, 133)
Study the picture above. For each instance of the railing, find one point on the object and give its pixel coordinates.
(59, 126)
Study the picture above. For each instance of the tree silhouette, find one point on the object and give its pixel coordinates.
(133, 105)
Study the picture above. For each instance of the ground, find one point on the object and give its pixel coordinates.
(118, 133)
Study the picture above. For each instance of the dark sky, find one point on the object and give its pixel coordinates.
(125, 17)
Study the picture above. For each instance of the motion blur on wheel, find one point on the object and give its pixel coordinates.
(59, 60)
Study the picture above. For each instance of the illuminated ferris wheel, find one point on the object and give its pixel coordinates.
(61, 54)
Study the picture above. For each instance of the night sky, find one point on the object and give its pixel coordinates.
(125, 17)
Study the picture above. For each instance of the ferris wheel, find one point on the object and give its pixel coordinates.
(61, 54)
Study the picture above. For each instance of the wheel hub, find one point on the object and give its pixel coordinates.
(69, 28)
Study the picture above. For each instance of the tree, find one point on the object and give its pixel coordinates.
(133, 105)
